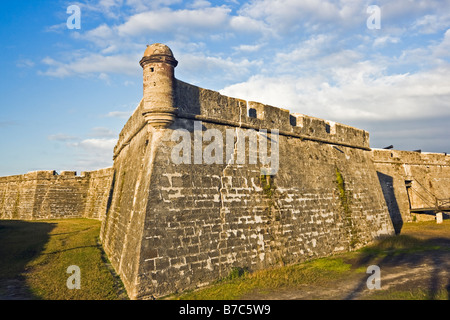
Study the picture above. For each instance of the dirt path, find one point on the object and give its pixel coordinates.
(429, 271)
(355, 288)
(425, 267)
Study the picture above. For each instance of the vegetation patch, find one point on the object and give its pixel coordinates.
(345, 199)
(315, 271)
(37, 255)
(267, 184)
(410, 294)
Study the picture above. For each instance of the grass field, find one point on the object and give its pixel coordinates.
(35, 257)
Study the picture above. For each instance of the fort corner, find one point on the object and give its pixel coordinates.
(171, 226)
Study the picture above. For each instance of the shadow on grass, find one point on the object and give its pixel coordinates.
(20, 243)
(74, 248)
(409, 252)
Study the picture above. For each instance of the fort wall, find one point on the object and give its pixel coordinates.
(48, 195)
(98, 194)
(178, 226)
(412, 180)
(122, 228)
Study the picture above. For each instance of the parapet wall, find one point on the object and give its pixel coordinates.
(47, 195)
(133, 126)
(210, 106)
(205, 105)
(411, 180)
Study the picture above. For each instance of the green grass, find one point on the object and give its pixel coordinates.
(266, 281)
(410, 294)
(39, 253)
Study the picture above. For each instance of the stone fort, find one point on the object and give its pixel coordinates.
(169, 226)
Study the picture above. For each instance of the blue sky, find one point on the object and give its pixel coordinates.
(65, 93)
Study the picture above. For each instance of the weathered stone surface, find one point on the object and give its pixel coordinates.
(177, 226)
(47, 195)
(220, 217)
(428, 176)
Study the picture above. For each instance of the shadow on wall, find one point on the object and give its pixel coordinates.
(111, 193)
(387, 186)
(20, 243)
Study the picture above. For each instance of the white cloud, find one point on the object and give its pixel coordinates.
(246, 24)
(92, 153)
(57, 28)
(143, 5)
(61, 137)
(310, 56)
(108, 6)
(100, 35)
(102, 132)
(119, 114)
(361, 93)
(248, 47)
(425, 57)
(215, 67)
(384, 40)
(97, 145)
(286, 16)
(199, 4)
(393, 10)
(117, 9)
(25, 63)
(93, 63)
(198, 20)
(443, 48)
(328, 73)
(308, 49)
(180, 21)
(427, 24)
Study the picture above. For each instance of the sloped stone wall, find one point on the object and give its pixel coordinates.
(174, 226)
